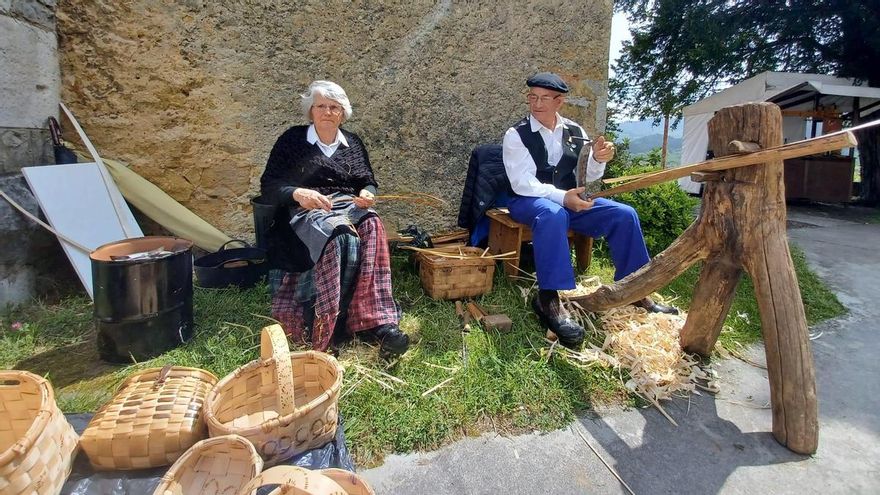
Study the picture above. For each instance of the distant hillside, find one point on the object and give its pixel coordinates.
(644, 137)
(640, 128)
(647, 143)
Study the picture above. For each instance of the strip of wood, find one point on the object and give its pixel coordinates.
(813, 146)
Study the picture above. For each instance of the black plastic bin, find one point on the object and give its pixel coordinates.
(143, 302)
(264, 215)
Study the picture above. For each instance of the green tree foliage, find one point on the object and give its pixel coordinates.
(684, 50)
(665, 210)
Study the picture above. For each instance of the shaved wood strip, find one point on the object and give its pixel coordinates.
(797, 149)
(611, 469)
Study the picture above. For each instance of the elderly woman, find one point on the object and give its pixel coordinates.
(325, 237)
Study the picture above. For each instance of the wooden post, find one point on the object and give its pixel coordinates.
(742, 226)
(759, 227)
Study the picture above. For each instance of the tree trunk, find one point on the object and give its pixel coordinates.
(869, 161)
(665, 141)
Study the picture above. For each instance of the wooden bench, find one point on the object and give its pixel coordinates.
(506, 235)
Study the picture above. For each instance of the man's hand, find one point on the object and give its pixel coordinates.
(603, 151)
(364, 200)
(311, 199)
(574, 202)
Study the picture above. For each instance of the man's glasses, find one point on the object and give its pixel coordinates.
(333, 109)
(533, 98)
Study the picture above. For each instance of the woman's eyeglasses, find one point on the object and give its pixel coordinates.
(533, 98)
(333, 109)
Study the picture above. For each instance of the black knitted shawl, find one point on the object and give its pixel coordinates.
(294, 163)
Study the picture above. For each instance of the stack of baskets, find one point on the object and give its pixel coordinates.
(37, 444)
(458, 274)
(217, 466)
(285, 403)
(151, 421)
(298, 481)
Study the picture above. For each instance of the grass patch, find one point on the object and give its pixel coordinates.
(504, 385)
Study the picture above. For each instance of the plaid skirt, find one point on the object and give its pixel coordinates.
(349, 287)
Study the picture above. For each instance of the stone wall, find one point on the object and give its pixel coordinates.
(192, 93)
(29, 88)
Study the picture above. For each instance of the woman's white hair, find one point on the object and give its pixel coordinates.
(327, 89)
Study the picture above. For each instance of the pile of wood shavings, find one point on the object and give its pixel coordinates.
(647, 344)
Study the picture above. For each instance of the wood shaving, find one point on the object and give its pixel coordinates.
(646, 344)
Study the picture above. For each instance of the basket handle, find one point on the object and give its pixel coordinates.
(288, 478)
(240, 241)
(273, 345)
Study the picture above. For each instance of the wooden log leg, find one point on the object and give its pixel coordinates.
(583, 251)
(787, 346)
(711, 302)
(689, 248)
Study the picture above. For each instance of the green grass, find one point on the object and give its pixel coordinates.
(505, 384)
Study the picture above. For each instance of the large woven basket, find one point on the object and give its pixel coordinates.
(292, 480)
(285, 402)
(37, 444)
(446, 277)
(216, 466)
(151, 421)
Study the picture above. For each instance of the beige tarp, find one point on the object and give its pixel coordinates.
(162, 208)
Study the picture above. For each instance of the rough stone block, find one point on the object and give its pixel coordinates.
(30, 81)
(40, 13)
(31, 259)
(24, 148)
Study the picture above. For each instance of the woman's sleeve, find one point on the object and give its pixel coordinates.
(369, 180)
(277, 183)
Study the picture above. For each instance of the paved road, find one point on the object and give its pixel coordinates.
(723, 444)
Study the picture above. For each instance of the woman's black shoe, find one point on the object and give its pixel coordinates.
(560, 322)
(392, 342)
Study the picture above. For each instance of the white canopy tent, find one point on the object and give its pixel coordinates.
(791, 91)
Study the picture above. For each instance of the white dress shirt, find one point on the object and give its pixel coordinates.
(327, 149)
(521, 168)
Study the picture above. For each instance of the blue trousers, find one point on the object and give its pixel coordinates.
(550, 222)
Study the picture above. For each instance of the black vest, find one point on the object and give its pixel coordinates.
(562, 176)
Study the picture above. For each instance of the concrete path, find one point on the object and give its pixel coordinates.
(722, 444)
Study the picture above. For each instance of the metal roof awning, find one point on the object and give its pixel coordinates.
(809, 95)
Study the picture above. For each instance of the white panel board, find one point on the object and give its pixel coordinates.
(77, 204)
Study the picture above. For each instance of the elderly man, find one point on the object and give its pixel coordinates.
(540, 157)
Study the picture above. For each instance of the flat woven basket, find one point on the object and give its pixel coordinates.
(295, 480)
(449, 277)
(155, 416)
(37, 444)
(216, 466)
(285, 403)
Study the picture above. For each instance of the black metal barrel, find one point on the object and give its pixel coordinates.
(143, 302)
(264, 214)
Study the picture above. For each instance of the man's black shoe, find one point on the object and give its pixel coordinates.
(654, 307)
(392, 342)
(560, 322)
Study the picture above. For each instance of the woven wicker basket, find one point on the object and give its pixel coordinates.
(454, 278)
(37, 444)
(298, 481)
(155, 416)
(285, 402)
(216, 466)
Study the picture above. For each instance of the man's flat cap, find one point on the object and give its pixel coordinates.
(547, 80)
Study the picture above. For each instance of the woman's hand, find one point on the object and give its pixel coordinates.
(364, 200)
(311, 199)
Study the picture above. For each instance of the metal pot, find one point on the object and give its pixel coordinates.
(241, 267)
